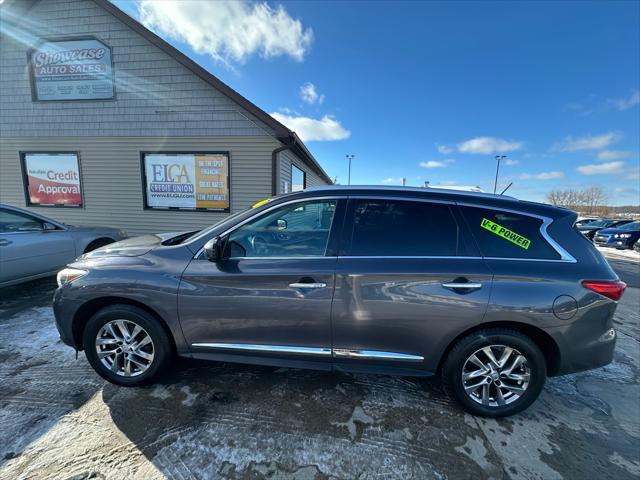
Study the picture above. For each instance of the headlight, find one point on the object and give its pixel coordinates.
(67, 275)
(624, 235)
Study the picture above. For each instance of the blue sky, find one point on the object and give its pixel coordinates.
(432, 91)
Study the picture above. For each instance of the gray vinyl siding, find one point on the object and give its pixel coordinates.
(155, 94)
(285, 159)
(112, 182)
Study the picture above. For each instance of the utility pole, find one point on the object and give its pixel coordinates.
(404, 181)
(498, 158)
(349, 157)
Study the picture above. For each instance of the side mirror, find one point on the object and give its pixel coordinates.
(281, 224)
(212, 249)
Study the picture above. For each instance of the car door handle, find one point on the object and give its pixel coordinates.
(462, 285)
(4, 243)
(307, 285)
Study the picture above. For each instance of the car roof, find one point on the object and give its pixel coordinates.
(473, 198)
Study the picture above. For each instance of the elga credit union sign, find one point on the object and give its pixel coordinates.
(71, 70)
(52, 179)
(187, 180)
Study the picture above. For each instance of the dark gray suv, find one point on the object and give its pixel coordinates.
(493, 293)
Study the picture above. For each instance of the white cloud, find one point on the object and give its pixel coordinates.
(392, 181)
(610, 155)
(601, 168)
(309, 94)
(626, 103)
(488, 145)
(309, 129)
(436, 163)
(542, 176)
(444, 149)
(588, 142)
(510, 163)
(228, 31)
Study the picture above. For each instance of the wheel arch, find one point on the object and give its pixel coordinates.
(542, 339)
(90, 308)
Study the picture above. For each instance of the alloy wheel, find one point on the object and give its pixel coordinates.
(496, 375)
(124, 348)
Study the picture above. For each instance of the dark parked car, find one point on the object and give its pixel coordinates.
(620, 237)
(589, 230)
(493, 293)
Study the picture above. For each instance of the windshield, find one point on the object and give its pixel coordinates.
(206, 230)
(599, 223)
(630, 226)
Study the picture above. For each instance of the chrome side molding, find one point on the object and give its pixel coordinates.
(376, 355)
(265, 348)
(336, 352)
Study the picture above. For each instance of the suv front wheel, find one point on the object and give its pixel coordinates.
(495, 372)
(126, 345)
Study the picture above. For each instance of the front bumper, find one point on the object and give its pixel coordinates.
(64, 313)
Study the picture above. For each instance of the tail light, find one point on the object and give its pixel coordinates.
(611, 289)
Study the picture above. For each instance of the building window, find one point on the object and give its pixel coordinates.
(186, 181)
(298, 179)
(52, 179)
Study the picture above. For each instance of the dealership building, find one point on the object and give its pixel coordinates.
(104, 123)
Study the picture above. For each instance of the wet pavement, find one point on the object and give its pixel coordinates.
(210, 420)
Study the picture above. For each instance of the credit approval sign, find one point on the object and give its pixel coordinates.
(187, 180)
(74, 69)
(52, 179)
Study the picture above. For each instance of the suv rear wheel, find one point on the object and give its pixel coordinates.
(495, 372)
(126, 345)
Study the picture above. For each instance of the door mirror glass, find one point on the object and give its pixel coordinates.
(212, 249)
(281, 224)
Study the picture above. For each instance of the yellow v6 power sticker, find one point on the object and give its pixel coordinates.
(505, 233)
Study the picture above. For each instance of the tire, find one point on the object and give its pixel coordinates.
(507, 398)
(157, 353)
(101, 242)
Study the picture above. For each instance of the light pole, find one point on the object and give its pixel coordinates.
(498, 158)
(349, 157)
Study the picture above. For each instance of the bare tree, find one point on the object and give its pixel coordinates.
(589, 201)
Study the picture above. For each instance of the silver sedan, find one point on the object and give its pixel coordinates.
(34, 246)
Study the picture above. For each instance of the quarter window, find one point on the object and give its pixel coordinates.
(403, 228)
(508, 235)
(296, 230)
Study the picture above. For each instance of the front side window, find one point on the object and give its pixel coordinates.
(508, 235)
(296, 230)
(298, 179)
(403, 228)
(11, 222)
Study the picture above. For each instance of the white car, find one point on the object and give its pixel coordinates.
(34, 246)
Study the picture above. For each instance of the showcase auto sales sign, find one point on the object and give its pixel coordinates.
(71, 70)
(53, 179)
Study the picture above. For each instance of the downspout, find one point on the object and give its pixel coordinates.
(274, 165)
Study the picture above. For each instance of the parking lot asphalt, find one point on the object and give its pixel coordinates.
(58, 419)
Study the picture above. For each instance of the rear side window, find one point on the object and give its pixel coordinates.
(508, 235)
(399, 228)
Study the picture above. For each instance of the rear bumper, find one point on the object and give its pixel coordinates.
(585, 344)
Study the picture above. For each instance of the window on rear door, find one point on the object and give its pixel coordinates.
(508, 235)
(397, 228)
(295, 230)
